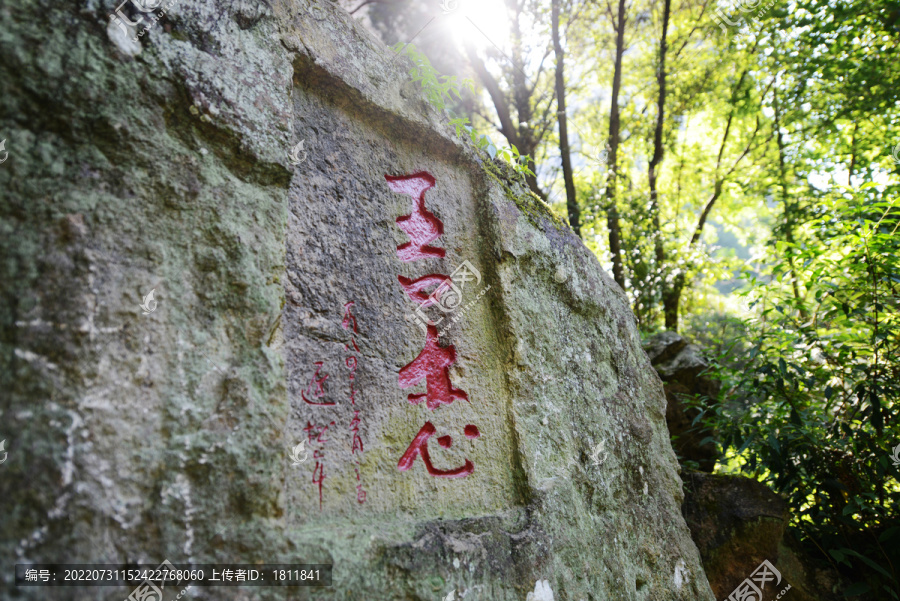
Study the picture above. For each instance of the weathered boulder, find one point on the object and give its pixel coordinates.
(738, 523)
(810, 580)
(266, 403)
(683, 369)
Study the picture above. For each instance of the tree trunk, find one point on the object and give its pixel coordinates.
(672, 296)
(671, 302)
(612, 212)
(522, 136)
(788, 210)
(658, 150)
(565, 155)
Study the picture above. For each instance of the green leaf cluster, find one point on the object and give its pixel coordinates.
(440, 89)
(813, 405)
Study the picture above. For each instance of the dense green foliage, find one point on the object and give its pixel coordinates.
(441, 89)
(812, 407)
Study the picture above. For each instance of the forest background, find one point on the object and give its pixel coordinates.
(736, 168)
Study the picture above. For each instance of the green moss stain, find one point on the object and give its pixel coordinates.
(536, 210)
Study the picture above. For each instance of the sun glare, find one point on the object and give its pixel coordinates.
(480, 23)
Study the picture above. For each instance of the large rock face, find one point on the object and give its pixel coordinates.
(518, 447)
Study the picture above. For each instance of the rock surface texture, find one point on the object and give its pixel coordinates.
(738, 523)
(517, 447)
(682, 368)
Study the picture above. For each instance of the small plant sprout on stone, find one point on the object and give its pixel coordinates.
(440, 89)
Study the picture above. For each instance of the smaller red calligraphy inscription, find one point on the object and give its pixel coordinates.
(319, 392)
(471, 431)
(419, 446)
(319, 478)
(432, 365)
(318, 433)
(357, 445)
(352, 363)
(349, 317)
(421, 225)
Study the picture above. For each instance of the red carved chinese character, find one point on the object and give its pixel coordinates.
(421, 226)
(354, 427)
(319, 478)
(419, 446)
(432, 365)
(351, 363)
(320, 387)
(415, 289)
(348, 316)
(317, 432)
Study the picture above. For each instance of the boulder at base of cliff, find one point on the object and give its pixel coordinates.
(738, 523)
(683, 369)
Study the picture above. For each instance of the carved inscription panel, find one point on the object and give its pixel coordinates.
(396, 372)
